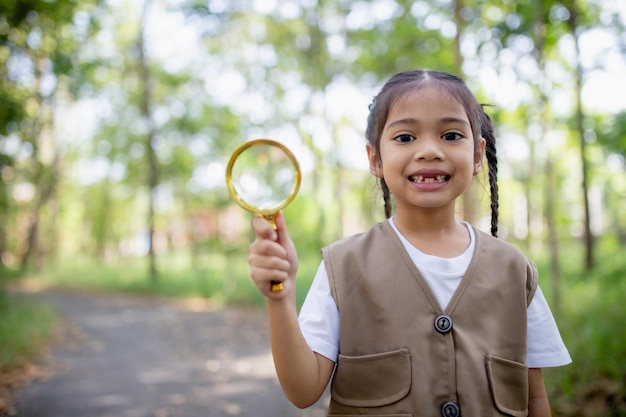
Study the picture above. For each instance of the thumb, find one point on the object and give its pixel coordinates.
(285, 240)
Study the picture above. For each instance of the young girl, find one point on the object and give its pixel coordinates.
(421, 315)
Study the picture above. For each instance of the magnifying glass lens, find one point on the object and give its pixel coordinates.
(263, 176)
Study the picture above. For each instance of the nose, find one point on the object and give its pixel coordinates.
(428, 149)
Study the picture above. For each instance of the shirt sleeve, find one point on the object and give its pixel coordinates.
(545, 345)
(319, 317)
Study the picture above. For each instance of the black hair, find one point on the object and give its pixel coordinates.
(404, 83)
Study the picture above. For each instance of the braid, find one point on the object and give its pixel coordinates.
(386, 197)
(487, 133)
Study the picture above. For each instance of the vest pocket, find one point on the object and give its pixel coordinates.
(508, 381)
(372, 380)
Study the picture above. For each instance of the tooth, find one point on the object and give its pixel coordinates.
(427, 180)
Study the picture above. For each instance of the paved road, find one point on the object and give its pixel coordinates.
(126, 356)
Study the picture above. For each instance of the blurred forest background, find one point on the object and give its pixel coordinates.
(117, 118)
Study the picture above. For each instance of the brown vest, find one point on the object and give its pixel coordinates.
(400, 354)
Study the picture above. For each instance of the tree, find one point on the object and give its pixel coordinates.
(579, 119)
(39, 50)
(146, 113)
(545, 121)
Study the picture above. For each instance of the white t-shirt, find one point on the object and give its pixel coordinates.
(319, 316)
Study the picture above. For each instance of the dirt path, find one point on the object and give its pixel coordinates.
(139, 357)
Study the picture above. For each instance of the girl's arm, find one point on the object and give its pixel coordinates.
(538, 403)
(303, 374)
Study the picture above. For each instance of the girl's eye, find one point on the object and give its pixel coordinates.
(451, 136)
(404, 138)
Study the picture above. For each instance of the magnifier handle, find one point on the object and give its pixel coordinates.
(275, 286)
(271, 218)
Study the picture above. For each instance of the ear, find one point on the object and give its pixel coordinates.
(375, 167)
(479, 155)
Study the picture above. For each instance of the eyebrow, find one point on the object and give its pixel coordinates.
(412, 120)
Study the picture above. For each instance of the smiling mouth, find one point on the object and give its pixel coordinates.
(429, 180)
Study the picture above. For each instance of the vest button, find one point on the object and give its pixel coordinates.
(443, 324)
(451, 409)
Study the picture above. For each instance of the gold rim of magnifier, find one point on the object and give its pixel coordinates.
(243, 203)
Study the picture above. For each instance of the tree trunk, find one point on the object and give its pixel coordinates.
(5, 163)
(316, 178)
(469, 199)
(553, 243)
(580, 128)
(555, 270)
(146, 112)
(46, 176)
(46, 189)
(458, 21)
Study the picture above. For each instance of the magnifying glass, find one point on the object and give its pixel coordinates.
(263, 176)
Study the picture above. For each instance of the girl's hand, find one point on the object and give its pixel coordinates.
(272, 257)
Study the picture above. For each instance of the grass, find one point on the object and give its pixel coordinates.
(221, 277)
(25, 330)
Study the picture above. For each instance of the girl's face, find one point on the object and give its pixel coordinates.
(427, 152)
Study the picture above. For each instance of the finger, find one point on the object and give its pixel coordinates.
(263, 229)
(268, 248)
(281, 229)
(269, 261)
(285, 241)
(263, 276)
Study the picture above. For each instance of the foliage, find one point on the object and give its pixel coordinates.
(273, 52)
(262, 71)
(25, 330)
(612, 133)
(593, 385)
(37, 52)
